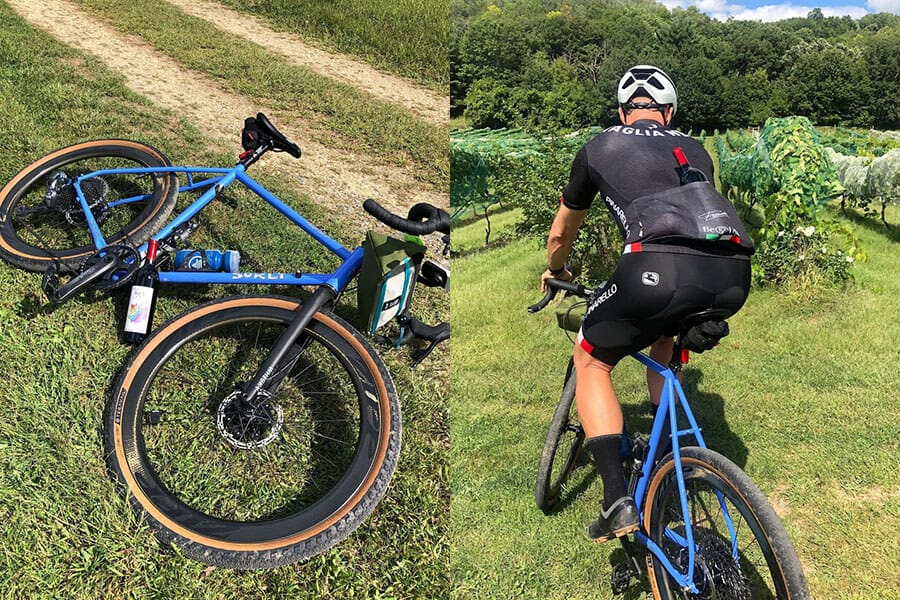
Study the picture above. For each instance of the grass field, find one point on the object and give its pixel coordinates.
(801, 395)
(408, 37)
(66, 532)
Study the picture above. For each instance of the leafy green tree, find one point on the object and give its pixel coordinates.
(829, 83)
(882, 56)
(488, 104)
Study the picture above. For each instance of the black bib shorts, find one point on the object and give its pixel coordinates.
(650, 292)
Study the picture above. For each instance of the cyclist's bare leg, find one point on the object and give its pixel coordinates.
(598, 407)
(661, 352)
(601, 418)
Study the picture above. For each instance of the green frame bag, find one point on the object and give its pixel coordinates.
(387, 279)
(570, 312)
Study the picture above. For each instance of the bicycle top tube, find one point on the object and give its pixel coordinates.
(226, 176)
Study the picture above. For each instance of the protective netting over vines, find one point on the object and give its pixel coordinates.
(788, 172)
(486, 162)
(868, 179)
(884, 177)
(474, 154)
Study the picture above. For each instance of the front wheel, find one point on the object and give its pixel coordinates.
(262, 483)
(729, 515)
(562, 449)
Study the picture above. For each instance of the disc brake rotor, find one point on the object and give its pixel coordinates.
(248, 427)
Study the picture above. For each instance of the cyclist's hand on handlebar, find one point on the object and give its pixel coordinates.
(566, 275)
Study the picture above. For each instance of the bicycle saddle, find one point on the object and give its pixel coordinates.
(701, 316)
(278, 139)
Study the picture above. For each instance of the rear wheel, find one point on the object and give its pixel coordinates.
(766, 565)
(262, 483)
(43, 223)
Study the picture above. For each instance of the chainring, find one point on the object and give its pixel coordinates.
(128, 260)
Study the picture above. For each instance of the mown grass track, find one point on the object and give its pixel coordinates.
(416, 45)
(349, 120)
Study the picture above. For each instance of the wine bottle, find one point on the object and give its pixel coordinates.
(687, 173)
(142, 303)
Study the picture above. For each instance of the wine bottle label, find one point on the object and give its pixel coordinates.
(137, 319)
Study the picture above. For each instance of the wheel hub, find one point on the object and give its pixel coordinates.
(249, 426)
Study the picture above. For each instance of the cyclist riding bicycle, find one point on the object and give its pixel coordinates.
(685, 250)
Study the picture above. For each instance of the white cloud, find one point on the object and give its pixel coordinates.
(776, 12)
(722, 10)
(891, 6)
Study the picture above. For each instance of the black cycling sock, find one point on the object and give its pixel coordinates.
(605, 450)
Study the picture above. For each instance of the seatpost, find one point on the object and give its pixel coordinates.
(247, 157)
(678, 356)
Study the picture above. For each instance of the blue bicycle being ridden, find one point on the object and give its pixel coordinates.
(707, 531)
(251, 431)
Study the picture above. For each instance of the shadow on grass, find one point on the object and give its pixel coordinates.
(709, 410)
(874, 224)
(33, 305)
(580, 480)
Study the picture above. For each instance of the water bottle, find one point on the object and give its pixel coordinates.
(142, 302)
(208, 260)
(688, 173)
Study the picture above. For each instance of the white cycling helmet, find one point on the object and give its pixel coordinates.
(652, 81)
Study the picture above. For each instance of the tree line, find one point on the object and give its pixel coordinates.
(554, 64)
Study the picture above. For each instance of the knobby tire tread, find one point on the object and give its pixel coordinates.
(745, 491)
(159, 206)
(545, 497)
(297, 552)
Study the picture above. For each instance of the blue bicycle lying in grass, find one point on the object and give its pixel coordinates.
(250, 431)
(707, 531)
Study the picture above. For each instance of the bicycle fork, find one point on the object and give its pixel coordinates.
(269, 372)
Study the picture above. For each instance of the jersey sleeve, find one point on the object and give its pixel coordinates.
(581, 189)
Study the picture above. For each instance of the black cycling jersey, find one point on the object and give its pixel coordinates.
(636, 174)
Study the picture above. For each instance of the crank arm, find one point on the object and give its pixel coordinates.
(60, 293)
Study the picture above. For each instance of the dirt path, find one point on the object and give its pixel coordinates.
(331, 178)
(396, 90)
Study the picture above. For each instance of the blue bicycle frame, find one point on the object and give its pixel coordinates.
(338, 280)
(668, 406)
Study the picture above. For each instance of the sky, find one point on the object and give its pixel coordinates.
(773, 10)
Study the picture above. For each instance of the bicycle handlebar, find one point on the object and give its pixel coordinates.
(422, 219)
(553, 286)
